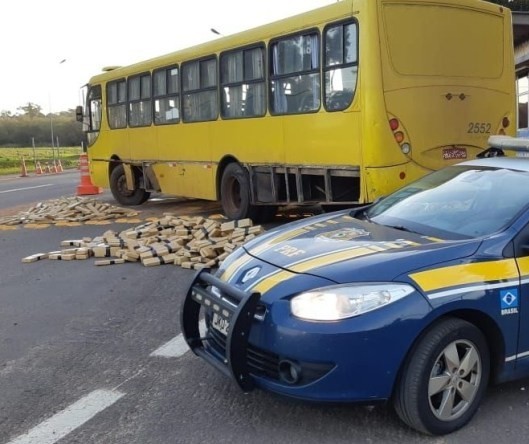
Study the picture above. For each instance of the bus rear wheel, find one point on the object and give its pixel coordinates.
(118, 186)
(235, 193)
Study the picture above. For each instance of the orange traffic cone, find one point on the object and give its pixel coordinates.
(54, 167)
(86, 186)
(47, 169)
(38, 168)
(59, 166)
(24, 170)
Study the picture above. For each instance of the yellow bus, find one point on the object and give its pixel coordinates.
(336, 106)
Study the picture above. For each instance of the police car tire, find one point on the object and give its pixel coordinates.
(235, 193)
(119, 191)
(411, 400)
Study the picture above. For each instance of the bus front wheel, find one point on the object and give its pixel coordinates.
(118, 186)
(235, 193)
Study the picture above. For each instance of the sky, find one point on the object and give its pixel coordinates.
(51, 48)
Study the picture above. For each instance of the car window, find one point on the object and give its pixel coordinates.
(460, 201)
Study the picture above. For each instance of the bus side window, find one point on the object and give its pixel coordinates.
(339, 100)
(340, 65)
(166, 93)
(199, 83)
(295, 74)
(116, 104)
(242, 79)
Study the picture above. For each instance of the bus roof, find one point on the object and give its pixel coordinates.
(285, 26)
(335, 11)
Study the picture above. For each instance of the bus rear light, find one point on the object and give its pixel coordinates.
(501, 132)
(399, 136)
(405, 148)
(393, 124)
(505, 122)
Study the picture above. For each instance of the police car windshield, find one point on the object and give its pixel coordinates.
(456, 202)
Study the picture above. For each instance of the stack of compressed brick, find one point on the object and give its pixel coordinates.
(191, 242)
(68, 209)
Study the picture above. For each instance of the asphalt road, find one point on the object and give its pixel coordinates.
(94, 355)
(16, 191)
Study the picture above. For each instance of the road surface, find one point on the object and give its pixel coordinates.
(95, 355)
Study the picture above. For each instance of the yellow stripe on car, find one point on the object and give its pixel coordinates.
(244, 259)
(464, 274)
(271, 280)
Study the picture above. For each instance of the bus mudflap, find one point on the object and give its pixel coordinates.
(231, 307)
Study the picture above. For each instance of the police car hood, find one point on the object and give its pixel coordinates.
(341, 248)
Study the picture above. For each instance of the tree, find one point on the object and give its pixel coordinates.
(514, 5)
(31, 110)
(33, 126)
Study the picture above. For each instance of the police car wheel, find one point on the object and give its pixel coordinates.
(444, 379)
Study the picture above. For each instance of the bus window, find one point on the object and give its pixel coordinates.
(140, 110)
(116, 100)
(200, 90)
(166, 94)
(295, 76)
(92, 124)
(341, 65)
(94, 103)
(242, 83)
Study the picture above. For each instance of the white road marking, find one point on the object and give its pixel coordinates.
(26, 188)
(177, 346)
(64, 422)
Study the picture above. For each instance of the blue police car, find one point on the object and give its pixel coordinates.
(420, 299)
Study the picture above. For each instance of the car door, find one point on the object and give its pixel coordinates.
(516, 302)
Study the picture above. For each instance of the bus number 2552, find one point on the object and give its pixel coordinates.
(478, 128)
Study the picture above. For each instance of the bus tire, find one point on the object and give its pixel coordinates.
(118, 187)
(235, 193)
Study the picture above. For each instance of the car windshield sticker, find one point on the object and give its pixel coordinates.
(509, 301)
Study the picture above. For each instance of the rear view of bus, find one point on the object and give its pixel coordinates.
(448, 84)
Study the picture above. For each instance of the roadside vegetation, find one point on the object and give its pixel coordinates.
(11, 158)
(30, 127)
(27, 135)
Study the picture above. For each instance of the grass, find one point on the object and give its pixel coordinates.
(11, 158)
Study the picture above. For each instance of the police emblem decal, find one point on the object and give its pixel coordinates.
(250, 274)
(509, 301)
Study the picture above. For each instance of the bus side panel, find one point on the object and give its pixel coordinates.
(110, 144)
(185, 179)
(143, 143)
(324, 139)
(258, 140)
(185, 167)
(99, 173)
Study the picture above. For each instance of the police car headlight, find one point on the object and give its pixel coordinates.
(345, 301)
